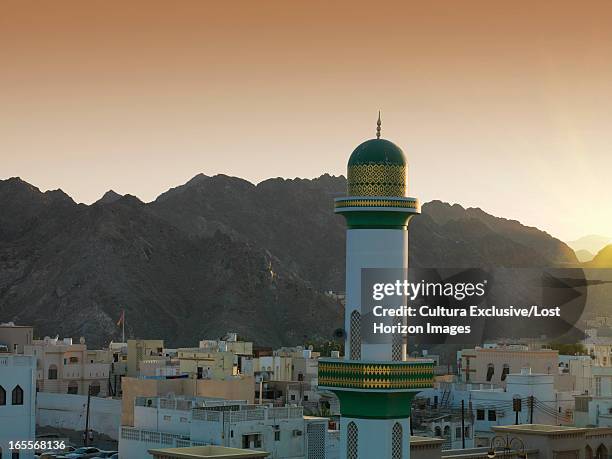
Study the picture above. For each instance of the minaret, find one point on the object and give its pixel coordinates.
(375, 382)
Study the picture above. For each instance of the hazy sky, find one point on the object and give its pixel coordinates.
(502, 105)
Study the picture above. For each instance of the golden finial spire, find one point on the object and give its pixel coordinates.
(378, 123)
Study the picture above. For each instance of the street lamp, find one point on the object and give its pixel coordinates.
(506, 444)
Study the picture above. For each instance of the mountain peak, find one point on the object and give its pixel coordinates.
(109, 197)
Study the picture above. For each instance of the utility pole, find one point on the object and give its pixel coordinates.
(531, 409)
(462, 423)
(87, 416)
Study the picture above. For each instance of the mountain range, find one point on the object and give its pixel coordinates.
(217, 254)
(588, 246)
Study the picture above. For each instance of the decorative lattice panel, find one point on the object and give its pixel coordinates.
(355, 338)
(316, 440)
(396, 441)
(396, 347)
(352, 439)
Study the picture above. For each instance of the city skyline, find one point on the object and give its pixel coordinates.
(502, 107)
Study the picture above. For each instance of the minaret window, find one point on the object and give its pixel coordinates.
(17, 396)
(355, 338)
(352, 438)
(396, 441)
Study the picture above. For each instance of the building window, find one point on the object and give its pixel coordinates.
(355, 338)
(167, 418)
(183, 419)
(480, 414)
(251, 441)
(352, 441)
(492, 415)
(305, 398)
(505, 371)
(490, 372)
(74, 360)
(15, 455)
(2, 397)
(94, 388)
(457, 432)
(396, 441)
(17, 396)
(277, 435)
(292, 396)
(73, 387)
(52, 373)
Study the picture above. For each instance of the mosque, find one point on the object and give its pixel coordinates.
(375, 382)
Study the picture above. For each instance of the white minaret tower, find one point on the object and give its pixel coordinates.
(375, 382)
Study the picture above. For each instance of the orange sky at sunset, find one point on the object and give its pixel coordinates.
(500, 105)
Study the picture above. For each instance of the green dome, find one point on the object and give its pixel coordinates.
(377, 151)
(377, 167)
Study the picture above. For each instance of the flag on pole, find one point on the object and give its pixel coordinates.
(121, 320)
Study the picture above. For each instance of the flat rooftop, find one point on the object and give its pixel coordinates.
(539, 429)
(210, 451)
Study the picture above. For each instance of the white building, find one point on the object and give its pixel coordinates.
(178, 422)
(488, 406)
(594, 408)
(599, 348)
(17, 403)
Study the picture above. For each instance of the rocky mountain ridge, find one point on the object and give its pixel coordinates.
(216, 254)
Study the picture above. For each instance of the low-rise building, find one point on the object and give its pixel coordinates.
(598, 347)
(15, 337)
(233, 388)
(139, 350)
(68, 368)
(533, 396)
(492, 365)
(283, 432)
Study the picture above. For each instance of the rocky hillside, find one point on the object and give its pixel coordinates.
(213, 255)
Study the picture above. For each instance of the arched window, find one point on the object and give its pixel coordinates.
(396, 441)
(17, 396)
(505, 371)
(355, 338)
(352, 441)
(94, 388)
(602, 452)
(490, 372)
(447, 431)
(52, 373)
(73, 387)
(438, 431)
(2, 399)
